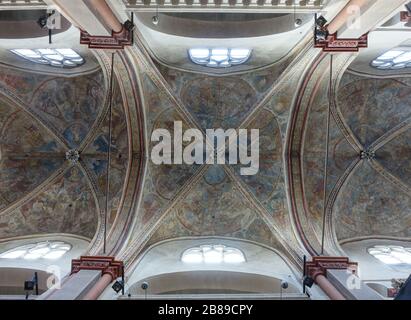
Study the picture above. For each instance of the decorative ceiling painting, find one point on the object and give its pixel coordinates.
(43, 118)
(330, 187)
(216, 200)
(381, 122)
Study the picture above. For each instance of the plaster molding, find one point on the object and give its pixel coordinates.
(45, 235)
(374, 237)
(374, 76)
(52, 73)
(292, 155)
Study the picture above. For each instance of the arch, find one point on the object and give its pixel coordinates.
(261, 273)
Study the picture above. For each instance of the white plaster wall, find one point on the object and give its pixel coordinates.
(68, 39)
(165, 258)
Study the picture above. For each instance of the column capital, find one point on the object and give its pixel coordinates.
(117, 40)
(107, 265)
(333, 44)
(320, 265)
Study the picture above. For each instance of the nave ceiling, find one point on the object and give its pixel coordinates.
(43, 116)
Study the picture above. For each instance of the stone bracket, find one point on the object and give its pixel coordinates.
(118, 40)
(333, 44)
(107, 265)
(320, 265)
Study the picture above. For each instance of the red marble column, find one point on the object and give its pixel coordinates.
(328, 288)
(99, 287)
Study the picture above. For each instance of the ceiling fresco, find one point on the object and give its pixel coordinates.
(41, 118)
(375, 200)
(215, 200)
(367, 196)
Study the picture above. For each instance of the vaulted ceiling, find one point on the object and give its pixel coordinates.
(41, 119)
(43, 116)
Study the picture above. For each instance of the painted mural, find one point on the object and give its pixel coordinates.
(162, 183)
(375, 200)
(70, 106)
(340, 156)
(372, 107)
(212, 204)
(395, 156)
(369, 205)
(261, 81)
(40, 120)
(95, 160)
(19, 83)
(67, 206)
(219, 103)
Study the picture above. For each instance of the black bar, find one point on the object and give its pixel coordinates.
(132, 31)
(36, 281)
(304, 271)
(122, 280)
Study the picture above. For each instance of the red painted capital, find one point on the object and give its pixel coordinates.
(117, 40)
(107, 265)
(334, 44)
(320, 265)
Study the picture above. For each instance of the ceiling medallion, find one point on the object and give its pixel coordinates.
(367, 155)
(73, 156)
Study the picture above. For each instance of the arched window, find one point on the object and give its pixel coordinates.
(219, 57)
(213, 254)
(393, 255)
(398, 58)
(42, 250)
(63, 58)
